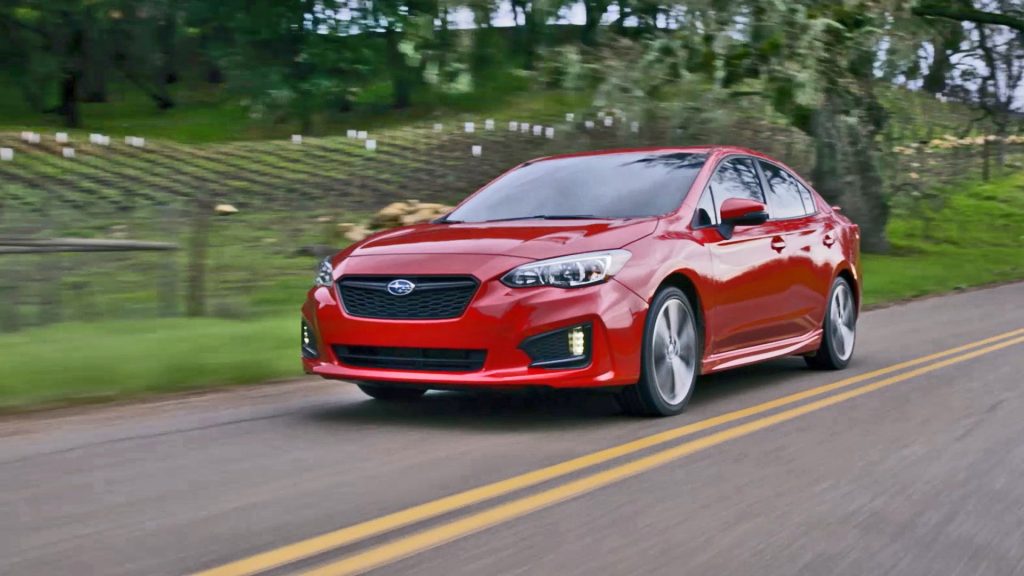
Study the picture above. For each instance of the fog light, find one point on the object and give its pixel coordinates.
(577, 341)
(560, 349)
(308, 344)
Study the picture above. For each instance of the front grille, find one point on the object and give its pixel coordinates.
(432, 359)
(434, 297)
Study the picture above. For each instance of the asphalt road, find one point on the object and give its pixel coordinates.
(909, 462)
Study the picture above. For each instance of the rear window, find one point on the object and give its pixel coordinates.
(621, 185)
(787, 198)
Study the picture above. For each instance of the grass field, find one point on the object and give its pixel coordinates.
(975, 238)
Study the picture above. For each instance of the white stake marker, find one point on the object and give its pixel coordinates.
(588, 124)
(634, 126)
(470, 128)
(477, 150)
(6, 154)
(513, 126)
(608, 120)
(350, 133)
(569, 116)
(362, 135)
(371, 145)
(438, 127)
(61, 137)
(538, 130)
(296, 138)
(489, 124)
(549, 132)
(68, 153)
(524, 128)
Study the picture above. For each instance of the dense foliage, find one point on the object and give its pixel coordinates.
(815, 65)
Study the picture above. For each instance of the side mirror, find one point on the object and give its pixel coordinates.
(741, 212)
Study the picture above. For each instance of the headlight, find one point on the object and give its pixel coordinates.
(325, 273)
(568, 271)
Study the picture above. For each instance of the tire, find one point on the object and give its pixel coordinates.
(839, 329)
(670, 357)
(392, 393)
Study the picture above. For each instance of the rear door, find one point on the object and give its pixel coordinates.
(800, 238)
(750, 279)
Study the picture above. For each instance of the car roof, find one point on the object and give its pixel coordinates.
(723, 150)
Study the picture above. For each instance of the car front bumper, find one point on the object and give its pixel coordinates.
(497, 320)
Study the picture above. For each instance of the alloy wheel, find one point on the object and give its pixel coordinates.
(674, 351)
(843, 322)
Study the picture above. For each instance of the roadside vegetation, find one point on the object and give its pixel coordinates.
(973, 239)
(906, 114)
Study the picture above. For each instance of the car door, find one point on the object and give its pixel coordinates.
(803, 237)
(749, 275)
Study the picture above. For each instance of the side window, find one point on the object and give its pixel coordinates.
(786, 193)
(808, 199)
(735, 178)
(706, 215)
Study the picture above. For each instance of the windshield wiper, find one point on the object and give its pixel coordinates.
(533, 217)
(548, 217)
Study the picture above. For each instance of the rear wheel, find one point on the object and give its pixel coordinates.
(839, 331)
(670, 359)
(391, 393)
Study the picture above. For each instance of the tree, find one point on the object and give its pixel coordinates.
(813, 61)
(991, 76)
(53, 37)
(988, 71)
(1009, 14)
(292, 59)
(72, 45)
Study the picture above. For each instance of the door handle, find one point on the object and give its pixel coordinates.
(829, 240)
(778, 244)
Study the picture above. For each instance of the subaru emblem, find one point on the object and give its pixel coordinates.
(400, 287)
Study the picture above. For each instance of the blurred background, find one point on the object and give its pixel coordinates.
(171, 171)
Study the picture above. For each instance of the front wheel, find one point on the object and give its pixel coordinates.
(392, 393)
(671, 357)
(839, 330)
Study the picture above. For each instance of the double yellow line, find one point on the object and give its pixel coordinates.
(392, 551)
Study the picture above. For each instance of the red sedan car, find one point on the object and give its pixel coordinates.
(634, 270)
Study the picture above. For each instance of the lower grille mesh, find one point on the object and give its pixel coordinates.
(428, 359)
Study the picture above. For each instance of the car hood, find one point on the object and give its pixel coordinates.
(534, 239)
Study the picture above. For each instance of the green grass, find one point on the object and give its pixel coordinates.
(975, 238)
(74, 363)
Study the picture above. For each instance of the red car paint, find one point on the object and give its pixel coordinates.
(761, 293)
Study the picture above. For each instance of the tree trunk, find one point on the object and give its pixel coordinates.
(69, 99)
(595, 10)
(534, 27)
(846, 173)
(72, 74)
(947, 39)
(401, 83)
(94, 78)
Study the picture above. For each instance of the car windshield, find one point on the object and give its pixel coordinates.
(604, 186)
